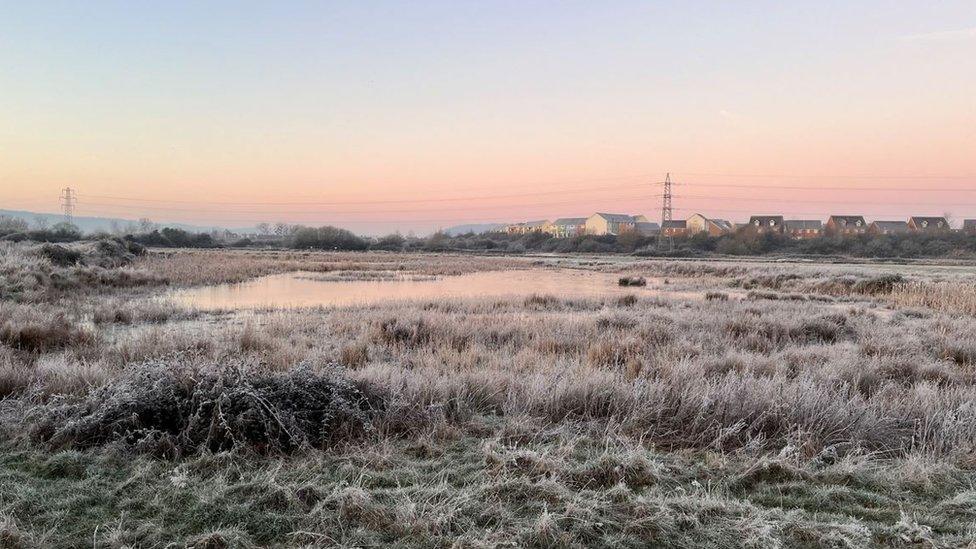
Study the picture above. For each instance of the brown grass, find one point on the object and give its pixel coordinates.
(569, 412)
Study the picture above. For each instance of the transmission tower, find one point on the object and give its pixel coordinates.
(68, 201)
(666, 241)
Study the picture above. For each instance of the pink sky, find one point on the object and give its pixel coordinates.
(343, 117)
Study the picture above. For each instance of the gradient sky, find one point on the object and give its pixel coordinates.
(358, 113)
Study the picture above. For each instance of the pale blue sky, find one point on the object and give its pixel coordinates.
(344, 100)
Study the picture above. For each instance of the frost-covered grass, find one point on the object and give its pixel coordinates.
(799, 406)
(503, 482)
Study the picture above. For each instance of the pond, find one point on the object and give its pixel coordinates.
(304, 289)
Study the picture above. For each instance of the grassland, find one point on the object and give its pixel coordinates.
(729, 404)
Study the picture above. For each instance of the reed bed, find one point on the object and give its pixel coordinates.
(820, 406)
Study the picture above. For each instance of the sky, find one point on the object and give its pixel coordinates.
(411, 116)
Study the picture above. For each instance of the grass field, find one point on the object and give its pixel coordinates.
(728, 404)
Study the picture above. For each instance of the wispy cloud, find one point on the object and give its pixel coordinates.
(952, 35)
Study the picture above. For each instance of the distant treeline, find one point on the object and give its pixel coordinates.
(745, 242)
(739, 243)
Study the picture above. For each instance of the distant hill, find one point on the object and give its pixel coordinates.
(92, 224)
(476, 228)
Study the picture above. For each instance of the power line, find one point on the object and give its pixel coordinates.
(68, 200)
(834, 176)
(821, 188)
(664, 239)
(537, 193)
(360, 202)
(793, 199)
(604, 198)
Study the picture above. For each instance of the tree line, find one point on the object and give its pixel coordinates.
(742, 243)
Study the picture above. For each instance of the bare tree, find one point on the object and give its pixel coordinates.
(949, 218)
(264, 229)
(282, 229)
(146, 225)
(12, 224)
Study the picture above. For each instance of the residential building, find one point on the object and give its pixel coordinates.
(846, 225)
(675, 227)
(527, 227)
(713, 227)
(969, 226)
(647, 228)
(766, 224)
(802, 229)
(888, 227)
(928, 224)
(566, 227)
(609, 223)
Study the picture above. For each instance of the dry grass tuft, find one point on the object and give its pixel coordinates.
(35, 330)
(173, 410)
(354, 355)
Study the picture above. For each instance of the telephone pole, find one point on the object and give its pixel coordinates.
(666, 241)
(68, 201)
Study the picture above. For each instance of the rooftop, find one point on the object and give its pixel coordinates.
(616, 217)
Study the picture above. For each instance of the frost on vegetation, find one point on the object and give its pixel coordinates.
(172, 409)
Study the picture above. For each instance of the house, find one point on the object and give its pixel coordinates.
(609, 223)
(969, 226)
(802, 229)
(766, 224)
(928, 224)
(846, 225)
(675, 227)
(647, 228)
(566, 227)
(712, 227)
(527, 227)
(888, 227)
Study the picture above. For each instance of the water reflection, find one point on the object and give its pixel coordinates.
(293, 290)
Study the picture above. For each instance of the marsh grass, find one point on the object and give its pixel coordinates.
(644, 420)
(948, 297)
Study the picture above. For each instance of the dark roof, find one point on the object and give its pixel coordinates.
(675, 224)
(969, 224)
(926, 222)
(847, 220)
(570, 221)
(891, 226)
(765, 219)
(647, 227)
(616, 217)
(539, 223)
(799, 224)
(722, 223)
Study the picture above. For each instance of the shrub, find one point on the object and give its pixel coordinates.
(59, 255)
(175, 410)
(884, 284)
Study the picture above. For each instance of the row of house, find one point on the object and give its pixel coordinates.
(837, 225)
(597, 224)
(848, 225)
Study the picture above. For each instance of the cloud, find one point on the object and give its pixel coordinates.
(953, 35)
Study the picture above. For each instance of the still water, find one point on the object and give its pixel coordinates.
(293, 290)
